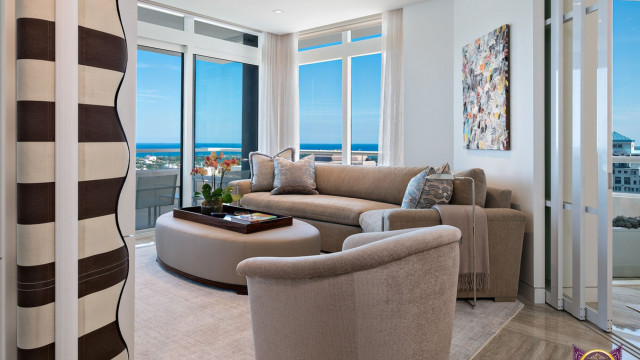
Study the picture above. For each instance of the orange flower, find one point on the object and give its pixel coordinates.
(195, 171)
(202, 171)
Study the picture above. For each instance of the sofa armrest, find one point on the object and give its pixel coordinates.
(241, 187)
(397, 219)
(498, 198)
(361, 239)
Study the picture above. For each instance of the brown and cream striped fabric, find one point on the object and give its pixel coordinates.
(103, 263)
(35, 76)
(103, 165)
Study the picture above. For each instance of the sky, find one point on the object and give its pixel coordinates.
(626, 68)
(218, 108)
(159, 98)
(218, 100)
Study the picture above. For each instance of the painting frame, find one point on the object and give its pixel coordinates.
(485, 91)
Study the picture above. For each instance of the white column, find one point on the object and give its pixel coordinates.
(605, 150)
(557, 157)
(578, 164)
(187, 115)
(66, 175)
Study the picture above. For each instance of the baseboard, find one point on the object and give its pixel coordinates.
(535, 295)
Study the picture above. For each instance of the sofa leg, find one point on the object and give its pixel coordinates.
(504, 299)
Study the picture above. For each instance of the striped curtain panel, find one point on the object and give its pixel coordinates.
(103, 259)
(103, 165)
(35, 82)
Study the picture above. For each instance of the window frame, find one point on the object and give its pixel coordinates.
(182, 100)
(191, 44)
(344, 51)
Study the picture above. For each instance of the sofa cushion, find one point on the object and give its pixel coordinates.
(372, 221)
(498, 198)
(462, 187)
(262, 168)
(378, 183)
(424, 193)
(335, 209)
(294, 177)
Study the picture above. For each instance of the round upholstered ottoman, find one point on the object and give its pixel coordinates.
(210, 255)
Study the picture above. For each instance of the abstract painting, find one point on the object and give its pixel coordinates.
(485, 91)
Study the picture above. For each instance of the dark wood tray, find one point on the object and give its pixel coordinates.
(193, 214)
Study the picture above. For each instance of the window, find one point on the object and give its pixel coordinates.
(618, 180)
(320, 41)
(158, 134)
(625, 77)
(225, 111)
(211, 98)
(366, 74)
(321, 108)
(157, 16)
(366, 33)
(205, 28)
(627, 181)
(328, 113)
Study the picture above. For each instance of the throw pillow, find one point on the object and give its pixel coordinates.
(262, 168)
(423, 193)
(462, 187)
(294, 177)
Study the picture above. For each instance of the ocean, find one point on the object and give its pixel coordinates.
(173, 148)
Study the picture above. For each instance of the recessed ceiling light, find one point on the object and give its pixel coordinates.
(278, 11)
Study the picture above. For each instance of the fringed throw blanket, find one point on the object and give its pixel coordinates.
(461, 216)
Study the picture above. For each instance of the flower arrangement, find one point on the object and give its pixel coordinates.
(214, 194)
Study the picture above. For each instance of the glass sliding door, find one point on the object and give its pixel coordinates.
(158, 134)
(626, 171)
(225, 113)
(579, 145)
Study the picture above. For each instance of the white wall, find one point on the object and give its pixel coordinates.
(428, 67)
(434, 33)
(522, 168)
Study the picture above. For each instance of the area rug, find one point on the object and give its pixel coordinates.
(180, 319)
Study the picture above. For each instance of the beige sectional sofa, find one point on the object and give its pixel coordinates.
(355, 199)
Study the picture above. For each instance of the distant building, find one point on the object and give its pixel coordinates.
(626, 176)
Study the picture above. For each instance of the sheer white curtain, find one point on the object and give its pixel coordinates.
(391, 140)
(278, 117)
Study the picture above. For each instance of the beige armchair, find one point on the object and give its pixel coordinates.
(386, 296)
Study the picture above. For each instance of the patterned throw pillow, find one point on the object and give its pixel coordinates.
(262, 168)
(294, 177)
(423, 193)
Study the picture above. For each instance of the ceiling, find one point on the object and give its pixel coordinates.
(298, 14)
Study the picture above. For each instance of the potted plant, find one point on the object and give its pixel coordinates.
(214, 194)
(626, 247)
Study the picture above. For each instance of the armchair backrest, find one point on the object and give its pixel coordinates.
(393, 298)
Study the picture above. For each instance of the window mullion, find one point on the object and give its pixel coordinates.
(188, 61)
(346, 102)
